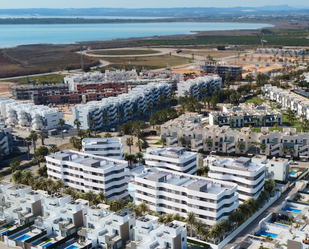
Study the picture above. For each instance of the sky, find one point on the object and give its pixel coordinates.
(21, 4)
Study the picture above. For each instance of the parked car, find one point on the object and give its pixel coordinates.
(293, 163)
(65, 131)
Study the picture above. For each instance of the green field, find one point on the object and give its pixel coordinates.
(57, 78)
(254, 100)
(230, 40)
(125, 52)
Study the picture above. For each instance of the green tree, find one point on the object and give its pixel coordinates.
(61, 122)
(53, 149)
(198, 226)
(129, 142)
(17, 177)
(15, 164)
(108, 135)
(290, 116)
(42, 171)
(77, 124)
(34, 137)
(190, 219)
(42, 136)
(140, 156)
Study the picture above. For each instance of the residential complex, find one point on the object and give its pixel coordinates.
(36, 117)
(36, 219)
(97, 79)
(160, 75)
(106, 147)
(278, 51)
(222, 70)
(122, 108)
(193, 86)
(176, 159)
(167, 191)
(287, 99)
(149, 233)
(189, 130)
(278, 168)
(245, 115)
(6, 141)
(88, 172)
(245, 172)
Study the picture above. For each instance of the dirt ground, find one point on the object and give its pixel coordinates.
(187, 69)
(4, 91)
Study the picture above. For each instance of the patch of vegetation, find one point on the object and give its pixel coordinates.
(254, 100)
(124, 52)
(158, 143)
(41, 79)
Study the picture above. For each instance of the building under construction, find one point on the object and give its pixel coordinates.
(222, 70)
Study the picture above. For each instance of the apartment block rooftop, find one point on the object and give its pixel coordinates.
(174, 152)
(86, 159)
(190, 182)
(241, 163)
(98, 141)
(188, 120)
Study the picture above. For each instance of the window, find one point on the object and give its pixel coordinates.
(131, 226)
(183, 239)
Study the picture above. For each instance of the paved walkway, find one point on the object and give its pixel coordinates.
(250, 228)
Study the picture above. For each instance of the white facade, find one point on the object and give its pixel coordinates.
(193, 86)
(245, 115)
(169, 192)
(37, 117)
(176, 159)
(248, 176)
(279, 168)
(88, 172)
(99, 78)
(106, 147)
(6, 141)
(135, 100)
(149, 233)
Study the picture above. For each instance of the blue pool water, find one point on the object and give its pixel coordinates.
(5, 232)
(46, 245)
(273, 235)
(23, 238)
(131, 187)
(292, 210)
(72, 247)
(292, 174)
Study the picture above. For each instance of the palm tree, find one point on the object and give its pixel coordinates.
(26, 176)
(240, 145)
(140, 156)
(208, 142)
(59, 184)
(149, 107)
(61, 122)
(198, 226)
(163, 141)
(77, 124)
(190, 219)
(200, 171)
(232, 122)
(27, 142)
(34, 137)
(15, 165)
(53, 149)
(129, 142)
(102, 196)
(17, 177)
(168, 218)
(177, 216)
(144, 207)
(42, 136)
(139, 144)
(108, 135)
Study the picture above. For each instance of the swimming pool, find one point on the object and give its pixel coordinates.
(264, 233)
(288, 209)
(5, 232)
(72, 247)
(46, 245)
(23, 238)
(131, 187)
(292, 174)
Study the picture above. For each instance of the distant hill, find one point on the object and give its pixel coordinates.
(158, 12)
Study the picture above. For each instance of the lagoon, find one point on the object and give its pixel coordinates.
(13, 35)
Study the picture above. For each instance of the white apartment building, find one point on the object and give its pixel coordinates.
(168, 192)
(137, 99)
(249, 176)
(106, 228)
(106, 147)
(193, 86)
(149, 233)
(159, 75)
(245, 115)
(37, 117)
(175, 158)
(88, 172)
(287, 99)
(278, 168)
(99, 78)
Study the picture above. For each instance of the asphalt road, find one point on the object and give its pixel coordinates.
(251, 227)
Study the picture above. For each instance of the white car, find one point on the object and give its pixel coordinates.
(293, 163)
(65, 131)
